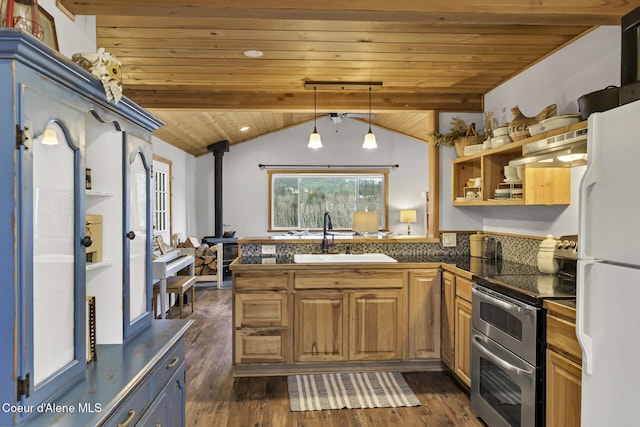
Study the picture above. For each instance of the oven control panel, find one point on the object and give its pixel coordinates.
(567, 247)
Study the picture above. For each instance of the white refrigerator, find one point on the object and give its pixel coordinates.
(608, 283)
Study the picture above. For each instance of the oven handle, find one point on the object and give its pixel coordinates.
(504, 365)
(508, 306)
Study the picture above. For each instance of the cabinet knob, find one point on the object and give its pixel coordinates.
(131, 235)
(86, 241)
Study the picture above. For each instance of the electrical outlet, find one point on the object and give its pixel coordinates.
(268, 249)
(449, 240)
(268, 260)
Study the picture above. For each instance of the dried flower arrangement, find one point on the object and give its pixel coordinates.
(459, 129)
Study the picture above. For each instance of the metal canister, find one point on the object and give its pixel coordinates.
(475, 244)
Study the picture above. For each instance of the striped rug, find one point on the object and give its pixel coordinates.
(349, 390)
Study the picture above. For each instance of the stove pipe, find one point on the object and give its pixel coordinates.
(218, 149)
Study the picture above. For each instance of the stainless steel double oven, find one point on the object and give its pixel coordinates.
(509, 337)
(506, 358)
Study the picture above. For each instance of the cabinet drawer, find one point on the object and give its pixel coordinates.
(260, 345)
(261, 280)
(168, 365)
(561, 336)
(261, 309)
(133, 407)
(463, 288)
(156, 415)
(349, 279)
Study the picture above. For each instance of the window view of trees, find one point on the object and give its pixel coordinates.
(300, 200)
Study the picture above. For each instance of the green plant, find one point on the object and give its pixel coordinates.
(458, 130)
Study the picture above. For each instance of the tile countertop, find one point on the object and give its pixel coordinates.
(471, 265)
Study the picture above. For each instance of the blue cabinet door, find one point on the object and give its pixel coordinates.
(138, 158)
(176, 398)
(51, 251)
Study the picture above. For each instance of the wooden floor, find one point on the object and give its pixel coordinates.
(215, 398)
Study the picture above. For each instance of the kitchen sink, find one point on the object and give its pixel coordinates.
(341, 258)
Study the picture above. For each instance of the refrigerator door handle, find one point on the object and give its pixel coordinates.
(581, 313)
(588, 181)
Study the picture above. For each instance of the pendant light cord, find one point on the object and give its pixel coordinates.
(315, 111)
(369, 109)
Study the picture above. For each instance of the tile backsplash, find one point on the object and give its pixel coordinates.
(520, 249)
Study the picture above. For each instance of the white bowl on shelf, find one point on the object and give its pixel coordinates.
(555, 122)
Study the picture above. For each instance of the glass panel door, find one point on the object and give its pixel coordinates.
(53, 253)
(137, 247)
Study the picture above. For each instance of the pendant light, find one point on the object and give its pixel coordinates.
(314, 139)
(370, 138)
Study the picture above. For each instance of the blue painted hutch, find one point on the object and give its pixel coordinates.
(55, 124)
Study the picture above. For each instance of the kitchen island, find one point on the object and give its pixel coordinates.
(298, 318)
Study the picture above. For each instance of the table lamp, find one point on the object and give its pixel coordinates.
(408, 216)
(365, 222)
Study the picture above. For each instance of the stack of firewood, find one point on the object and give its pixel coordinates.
(206, 260)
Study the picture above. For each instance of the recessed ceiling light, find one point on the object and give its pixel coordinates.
(251, 53)
(244, 128)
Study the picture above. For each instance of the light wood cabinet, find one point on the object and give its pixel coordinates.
(375, 325)
(260, 345)
(540, 186)
(296, 318)
(563, 391)
(261, 309)
(423, 326)
(261, 319)
(448, 298)
(348, 325)
(321, 326)
(462, 365)
(563, 367)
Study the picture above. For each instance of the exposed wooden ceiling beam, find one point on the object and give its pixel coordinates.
(302, 101)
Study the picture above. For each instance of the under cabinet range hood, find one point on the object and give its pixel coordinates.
(560, 151)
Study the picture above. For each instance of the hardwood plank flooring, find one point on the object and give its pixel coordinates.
(215, 398)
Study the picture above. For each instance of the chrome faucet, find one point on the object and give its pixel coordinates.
(326, 225)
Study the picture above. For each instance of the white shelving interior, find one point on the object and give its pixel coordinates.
(104, 279)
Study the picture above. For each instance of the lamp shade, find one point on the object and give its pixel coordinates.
(408, 215)
(49, 137)
(366, 222)
(314, 140)
(370, 141)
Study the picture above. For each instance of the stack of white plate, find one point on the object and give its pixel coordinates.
(502, 193)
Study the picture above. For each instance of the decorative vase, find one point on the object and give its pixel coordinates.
(519, 126)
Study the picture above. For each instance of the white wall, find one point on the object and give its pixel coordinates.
(587, 65)
(183, 218)
(245, 186)
(73, 36)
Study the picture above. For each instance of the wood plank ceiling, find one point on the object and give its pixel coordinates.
(184, 61)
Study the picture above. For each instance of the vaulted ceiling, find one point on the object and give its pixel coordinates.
(184, 60)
